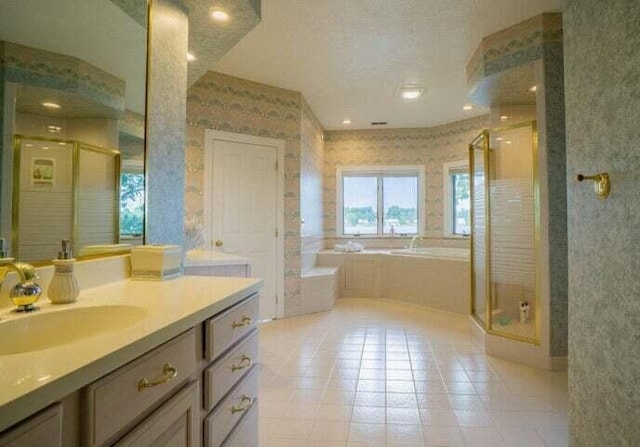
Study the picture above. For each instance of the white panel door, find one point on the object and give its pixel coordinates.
(244, 210)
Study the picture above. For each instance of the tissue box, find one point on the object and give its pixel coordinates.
(156, 262)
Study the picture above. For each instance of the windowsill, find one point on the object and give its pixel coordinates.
(374, 236)
(456, 236)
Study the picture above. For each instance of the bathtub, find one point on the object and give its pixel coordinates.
(437, 278)
(461, 254)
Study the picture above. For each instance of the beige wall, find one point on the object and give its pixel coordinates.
(430, 147)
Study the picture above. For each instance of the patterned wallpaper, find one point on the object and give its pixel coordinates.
(431, 147)
(132, 123)
(221, 102)
(40, 68)
(311, 182)
(514, 46)
(602, 79)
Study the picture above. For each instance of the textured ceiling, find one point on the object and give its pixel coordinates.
(349, 58)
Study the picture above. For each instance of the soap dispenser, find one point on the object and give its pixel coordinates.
(63, 288)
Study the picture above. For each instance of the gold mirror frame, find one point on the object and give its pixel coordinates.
(16, 162)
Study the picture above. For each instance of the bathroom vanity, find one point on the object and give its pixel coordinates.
(134, 363)
(216, 263)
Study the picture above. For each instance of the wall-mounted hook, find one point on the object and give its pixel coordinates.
(602, 185)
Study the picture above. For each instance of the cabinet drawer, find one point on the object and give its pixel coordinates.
(117, 399)
(225, 329)
(221, 422)
(220, 377)
(246, 433)
(45, 428)
(174, 424)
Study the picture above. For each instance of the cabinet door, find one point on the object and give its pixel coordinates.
(246, 433)
(45, 428)
(174, 424)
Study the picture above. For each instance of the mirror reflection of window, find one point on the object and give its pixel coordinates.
(131, 206)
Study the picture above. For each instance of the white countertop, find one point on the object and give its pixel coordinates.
(30, 381)
(204, 258)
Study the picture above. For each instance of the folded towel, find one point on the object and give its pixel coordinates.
(348, 247)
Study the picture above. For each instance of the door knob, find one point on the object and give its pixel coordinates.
(219, 243)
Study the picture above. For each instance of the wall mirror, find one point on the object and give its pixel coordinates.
(72, 89)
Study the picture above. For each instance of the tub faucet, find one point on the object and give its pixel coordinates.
(413, 241)
(27, 291)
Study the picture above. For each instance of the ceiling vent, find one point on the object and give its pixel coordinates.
(379, 123)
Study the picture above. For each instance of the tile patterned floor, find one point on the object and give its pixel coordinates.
(376, 373)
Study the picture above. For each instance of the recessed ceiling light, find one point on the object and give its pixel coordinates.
(499, 139)
(346, 122)
(54, 129)
(191, 57)
(410, 91)
(29, 145)
(467, 107)
(508, 141)
(51, 105)
(220, 16)
(45, 148)
(533, 88)
(504, 117)
(62, 143)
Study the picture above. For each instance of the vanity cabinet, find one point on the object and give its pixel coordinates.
(175, 424)
(198, 388)
(119, 398)
(238, 270)
(42, 429)
(230, 381)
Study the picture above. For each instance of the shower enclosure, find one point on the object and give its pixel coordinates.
(64, 189)
(505, 227)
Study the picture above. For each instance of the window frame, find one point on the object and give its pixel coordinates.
(450, 169)
(379, 171)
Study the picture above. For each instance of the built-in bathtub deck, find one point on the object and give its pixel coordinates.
(319, 289)
(438, 280)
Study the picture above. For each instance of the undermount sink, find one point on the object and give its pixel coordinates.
(44, 330)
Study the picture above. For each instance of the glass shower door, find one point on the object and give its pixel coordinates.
(512, 232)
(479, 234)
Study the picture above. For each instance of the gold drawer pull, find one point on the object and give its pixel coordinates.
(247, 363)
(244, 322)
(169, 372)
(244, 407)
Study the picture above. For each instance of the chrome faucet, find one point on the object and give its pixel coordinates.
(413, 241)
(24, 294)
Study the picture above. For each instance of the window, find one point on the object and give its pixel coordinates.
(457, 199)
(380, 201)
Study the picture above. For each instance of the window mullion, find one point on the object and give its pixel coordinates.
(380, 206)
